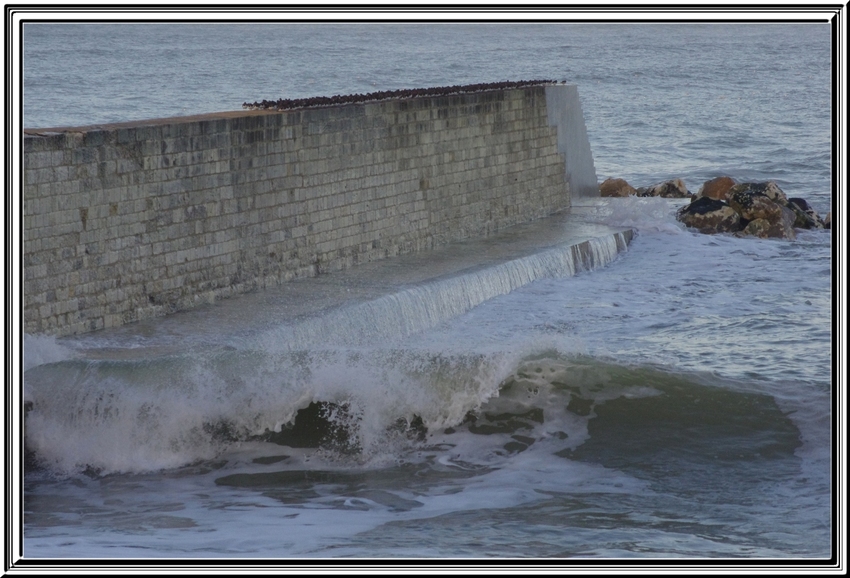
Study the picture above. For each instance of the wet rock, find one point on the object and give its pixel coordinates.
(803, 220)
(773, 192)
(782, 228)
(716, 188)
(616, 188)
(749, 201)
(827, 221)
(672, 189)
(807, 217)
(710, 216)
(765, 209)
(769, 189)
(803, 204)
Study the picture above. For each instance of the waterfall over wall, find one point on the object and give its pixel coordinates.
(411, 310)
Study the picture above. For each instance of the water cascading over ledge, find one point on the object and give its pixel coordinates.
(399, 314)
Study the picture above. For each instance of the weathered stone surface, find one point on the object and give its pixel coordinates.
(807, 217)
(802, 219)
(827, 221)
(716, 188)
(782, 228)
(710, 216)
(769, 189)
(672, 189)
(773, 192)
(751, 203)
(616, 188)
(748, 209)
(757, 228)
(765, 208)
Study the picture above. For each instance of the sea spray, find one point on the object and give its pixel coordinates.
(643, 214)
(41, 349)
(114, 416)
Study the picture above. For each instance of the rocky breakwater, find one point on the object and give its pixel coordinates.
(672, 189)
(723, 205)
(748, 209)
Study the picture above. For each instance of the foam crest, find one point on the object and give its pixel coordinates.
(143, 416)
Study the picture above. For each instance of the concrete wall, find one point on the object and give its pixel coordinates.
(130, 221)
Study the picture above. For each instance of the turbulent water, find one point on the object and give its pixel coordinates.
(675, 403)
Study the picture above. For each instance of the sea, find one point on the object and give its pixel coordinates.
(676, 403)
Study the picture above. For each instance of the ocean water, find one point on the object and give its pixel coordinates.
(675, 403)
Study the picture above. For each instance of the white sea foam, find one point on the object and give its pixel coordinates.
(143, 416)
(644, 214)
(41, 349)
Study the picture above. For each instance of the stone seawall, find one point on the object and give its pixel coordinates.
(136, 220)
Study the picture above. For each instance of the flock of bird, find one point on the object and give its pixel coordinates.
(288, 104)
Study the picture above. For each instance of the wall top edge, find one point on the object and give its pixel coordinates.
(52, 131)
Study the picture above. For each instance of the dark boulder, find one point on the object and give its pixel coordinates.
(672, 189)
(769, 189)
(710, 216)
(803, 204)
(765, 210)
(751, 202)
(806, 216)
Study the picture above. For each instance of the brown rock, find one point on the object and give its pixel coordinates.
(710, 216)
(757, 228)
(672, 189)
(768, 189)
(616, 188)
(771, 190)
(755, 207)
(751, 203)
(782, 228)
(716, 188)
